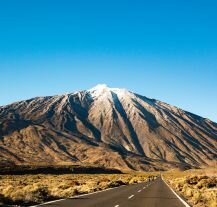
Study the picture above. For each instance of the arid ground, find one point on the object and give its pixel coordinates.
(33, 189)
(197, 187)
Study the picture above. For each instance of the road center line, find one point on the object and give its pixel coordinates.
(130, 196)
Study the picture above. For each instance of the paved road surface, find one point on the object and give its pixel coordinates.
(152, 194)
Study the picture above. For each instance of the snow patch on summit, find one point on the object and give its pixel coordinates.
(103, 90)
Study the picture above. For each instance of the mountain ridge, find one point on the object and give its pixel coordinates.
(90, 126)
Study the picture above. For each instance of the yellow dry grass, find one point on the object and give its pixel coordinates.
(199, 187)
(33, 189)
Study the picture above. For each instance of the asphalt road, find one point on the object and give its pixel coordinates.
(152, 194)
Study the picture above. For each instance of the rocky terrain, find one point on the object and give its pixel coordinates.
(105, 126)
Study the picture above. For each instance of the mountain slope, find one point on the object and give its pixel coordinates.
(105, 126)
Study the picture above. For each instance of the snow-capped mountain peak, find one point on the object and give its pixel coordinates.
(106, 126)
(100, 87)
(104, 90)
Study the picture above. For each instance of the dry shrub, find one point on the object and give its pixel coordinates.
(199, 189)
(35, 189)
(116, 183)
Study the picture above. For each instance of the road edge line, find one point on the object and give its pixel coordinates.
(182, 200)
(77, 196)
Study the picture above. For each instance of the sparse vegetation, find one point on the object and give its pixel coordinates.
(33, 189)
(199, 187)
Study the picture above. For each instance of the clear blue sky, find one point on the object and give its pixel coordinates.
(161, 49)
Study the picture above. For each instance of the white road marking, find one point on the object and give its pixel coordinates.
(117, 206)
(130, 196)
(139, 191)
(55, 201)
(78, 196)
(184, 202)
